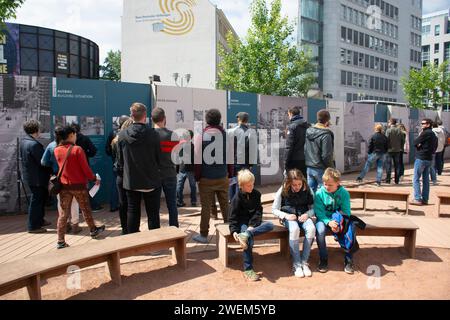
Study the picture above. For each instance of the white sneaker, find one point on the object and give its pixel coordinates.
(298, 272)
(306, 270)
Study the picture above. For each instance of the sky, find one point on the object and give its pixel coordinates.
(100, 21)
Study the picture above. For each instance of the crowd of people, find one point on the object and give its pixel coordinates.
(311, 197)
(389, 145)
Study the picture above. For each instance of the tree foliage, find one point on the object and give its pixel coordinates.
(266, 61)
(111, 69)
(8, 9)
(428, 86)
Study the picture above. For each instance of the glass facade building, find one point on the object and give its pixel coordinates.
(362, 48)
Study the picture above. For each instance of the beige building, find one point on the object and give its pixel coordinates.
(175, 39)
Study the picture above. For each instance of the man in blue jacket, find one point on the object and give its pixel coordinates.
(35, 176)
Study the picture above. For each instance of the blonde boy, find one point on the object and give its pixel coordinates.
(246, 219)
(331, 197)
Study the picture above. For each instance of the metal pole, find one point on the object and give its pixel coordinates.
(18, 176)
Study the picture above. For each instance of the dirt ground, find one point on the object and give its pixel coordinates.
(428, 277)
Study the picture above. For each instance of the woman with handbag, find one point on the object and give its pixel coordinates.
(74, 176)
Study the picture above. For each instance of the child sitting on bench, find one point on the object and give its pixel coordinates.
(330, 199)
(246, 219)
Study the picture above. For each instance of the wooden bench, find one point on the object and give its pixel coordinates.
(29, 272)
(224, 237)
(390, 195)
(442, 198)
(375, 226)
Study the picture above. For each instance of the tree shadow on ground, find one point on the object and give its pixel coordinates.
(416, 213)
(274, 266)
(145, 282)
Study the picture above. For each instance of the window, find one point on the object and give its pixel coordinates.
(361, 60)
(349, 35)
(342, 55)
(366, 41)
(372, 62)
(355, 37)
(366, 61)
(436, 48)
(349, 78)
(343, 77)
(447, 51)
(355, 58)
(372, 80)
(437, 30)
(310, 9)
(426, 30)
(310, 30)
(377, 83)
(361, 39)
(343, 33)
(349, 97)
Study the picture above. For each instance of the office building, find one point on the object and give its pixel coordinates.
(362, 48)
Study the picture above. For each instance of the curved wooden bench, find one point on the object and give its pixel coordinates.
(442, 198)
(29, 272)
(366, 194)
(375, 226)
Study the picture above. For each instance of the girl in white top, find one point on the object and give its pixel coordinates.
(293, 205)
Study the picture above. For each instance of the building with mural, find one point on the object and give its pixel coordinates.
(175, 39)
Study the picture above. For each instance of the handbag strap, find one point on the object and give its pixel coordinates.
(64, 164)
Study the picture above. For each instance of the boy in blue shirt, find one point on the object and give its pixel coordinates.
(331, 197)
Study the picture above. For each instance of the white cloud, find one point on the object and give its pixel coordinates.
(435, 5)
(100, 20)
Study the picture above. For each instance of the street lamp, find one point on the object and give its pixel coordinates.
(186, 77)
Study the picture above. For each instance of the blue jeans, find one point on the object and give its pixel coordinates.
(439, 162)
(114, 200)
(294, 240)
(377, 158)
(422, 169)
(315, 178)
(169, 187)
(393, 156)
(433, 169)
(321, 230)
(182, 176)
(36, 208)
(266, 226)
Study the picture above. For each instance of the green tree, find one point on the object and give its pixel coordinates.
(266, 61)
(428, 86)
(111, 69)
(8, 9)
